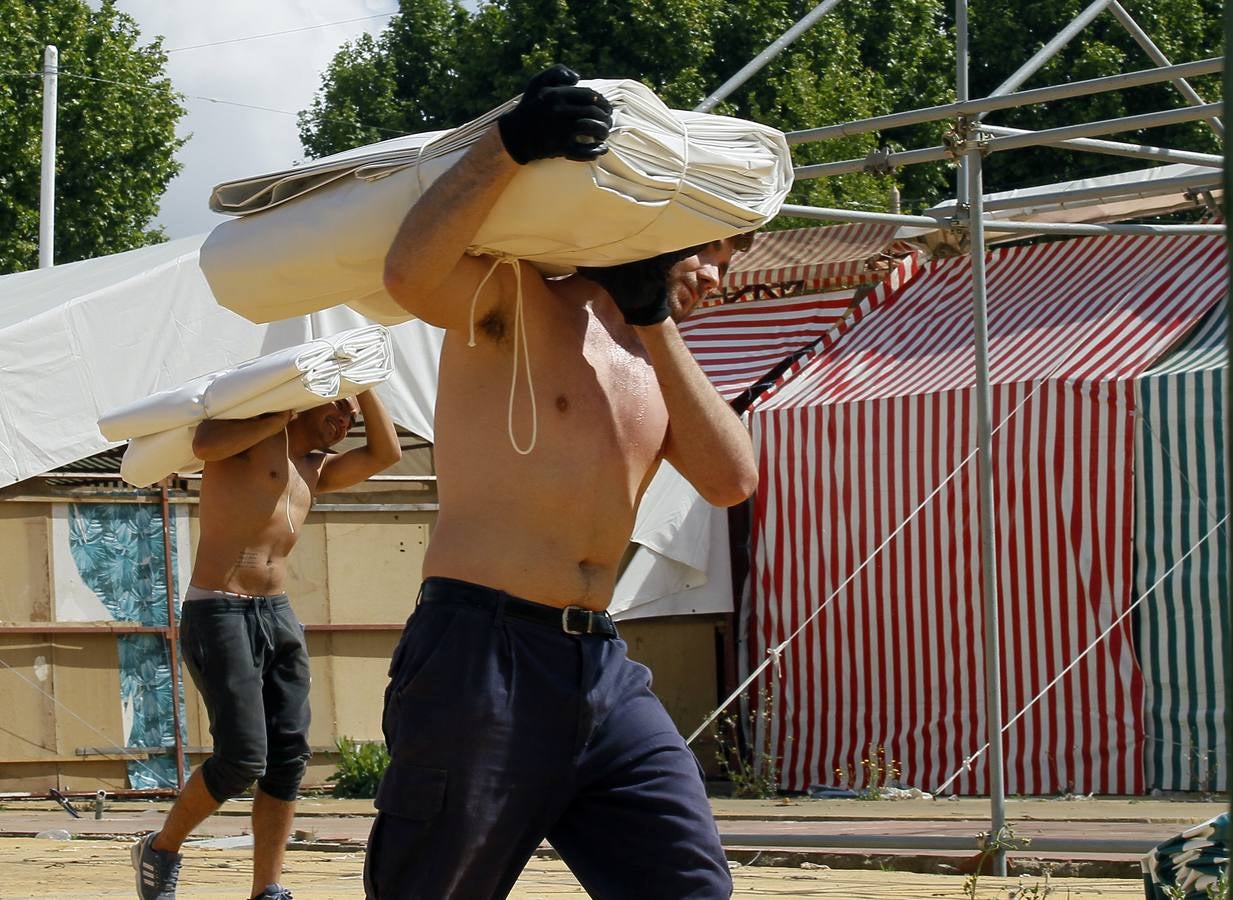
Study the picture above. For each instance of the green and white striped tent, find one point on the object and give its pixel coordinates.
(1180, 561)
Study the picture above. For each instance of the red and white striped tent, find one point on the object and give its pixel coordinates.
(737, 344)
(865, 567)
(800, 261)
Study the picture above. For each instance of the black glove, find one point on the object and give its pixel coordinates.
(640, 288)
(554, 118)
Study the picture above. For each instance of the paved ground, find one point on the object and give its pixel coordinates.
(71, 870)
(328, 851)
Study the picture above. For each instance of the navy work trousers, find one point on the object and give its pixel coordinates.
(504, 732)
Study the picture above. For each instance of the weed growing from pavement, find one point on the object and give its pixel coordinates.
(360, 767)
(1002, 840)
(753, 774)
(877, 773)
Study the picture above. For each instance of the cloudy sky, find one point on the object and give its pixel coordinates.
(279, 72)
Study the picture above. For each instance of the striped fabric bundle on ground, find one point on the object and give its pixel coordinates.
(316, 236)
(866, 568)
(160, 427)
(1181, 561)
(1191, 862)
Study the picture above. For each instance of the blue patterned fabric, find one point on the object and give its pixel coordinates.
(118, 550)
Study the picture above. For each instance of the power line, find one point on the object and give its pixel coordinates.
(219, 100)
(254, 37)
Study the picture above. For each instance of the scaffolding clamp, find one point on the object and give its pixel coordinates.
(878, 162)
(967, 135)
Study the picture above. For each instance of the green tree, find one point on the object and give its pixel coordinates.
(1005, 33)
(115, 131)
(440, 65)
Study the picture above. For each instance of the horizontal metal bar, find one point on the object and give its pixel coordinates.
(1178, 185)
(1116, 148)
(375, 507)
(97, 498)
(872, 163)
(196, 476)
(1104, 126)
(99, 628)
(1009, 141)
(1008, 101)
(1135, 846)
(328, 627)
(1010, 227)
(852, 215)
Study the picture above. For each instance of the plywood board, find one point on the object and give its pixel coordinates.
(25, 589)
(28, 729)
(308, 581)
(361, 661)
(376, 561)
(86, 684)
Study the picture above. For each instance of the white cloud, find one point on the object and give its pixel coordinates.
(280, 73)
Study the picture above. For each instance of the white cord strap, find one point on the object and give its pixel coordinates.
(520, 348)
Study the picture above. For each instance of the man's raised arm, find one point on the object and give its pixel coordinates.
(217, 439)
(427, 271)
(379, 452)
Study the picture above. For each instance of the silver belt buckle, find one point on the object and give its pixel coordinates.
(565, 626)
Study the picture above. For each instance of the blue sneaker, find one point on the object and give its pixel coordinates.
(274, 892)
(157, 870)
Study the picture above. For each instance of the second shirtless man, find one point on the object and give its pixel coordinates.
(243, 644)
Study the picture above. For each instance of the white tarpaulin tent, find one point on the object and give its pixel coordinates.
(80, 339)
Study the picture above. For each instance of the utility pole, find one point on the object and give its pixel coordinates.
(47, 183)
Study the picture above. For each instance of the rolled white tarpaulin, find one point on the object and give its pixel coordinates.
(316, 236)
(161, 426)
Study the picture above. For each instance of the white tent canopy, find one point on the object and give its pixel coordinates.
(80, 339)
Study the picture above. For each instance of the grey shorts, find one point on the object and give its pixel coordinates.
(249, 661)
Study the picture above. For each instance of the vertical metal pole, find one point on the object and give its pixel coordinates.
(47, 182)
(1228, 441)
(988, 551)
(171, 633)
(961, 87)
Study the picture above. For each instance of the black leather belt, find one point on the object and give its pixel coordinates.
(570, 619)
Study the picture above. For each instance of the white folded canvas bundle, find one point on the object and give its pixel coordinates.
(316, 236)
(160, 428)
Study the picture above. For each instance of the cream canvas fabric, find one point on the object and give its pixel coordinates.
(161, 426)
(316, 236)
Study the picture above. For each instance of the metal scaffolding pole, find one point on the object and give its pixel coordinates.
(1045, 53)
(1106, 126)
(756, 64)
(947, 221)
(1149, 47)
(1013, 141)
(1117, 148)
(961, 87)
(827, 214)
(172, 635)
(1007, 226)
(1179, 185)
(1227, 431)
(983, 105)
(988, 554)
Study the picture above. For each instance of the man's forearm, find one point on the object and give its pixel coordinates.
(706, 440)
(221, 438)
(379, 428)
(441, 225)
